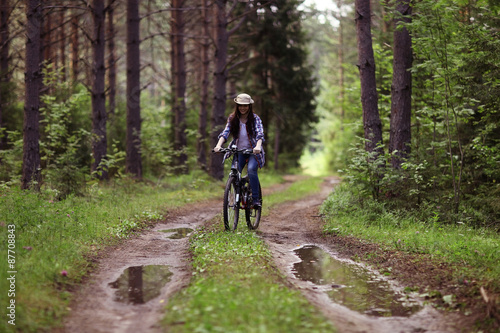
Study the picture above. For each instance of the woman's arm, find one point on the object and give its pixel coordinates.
(258, 129)
(258, 147)
(219, 144)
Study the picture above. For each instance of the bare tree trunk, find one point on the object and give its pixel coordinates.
(133, 160)
(47, 38)
(62, 44)
(31, 132)
(180, 139)
(99, 138)
(4, 65)
(366, 63)
(203, 115)
(74, 47)
(219, 105)
(341, 65)
(277, 132)
(400, 137)
(111, 59)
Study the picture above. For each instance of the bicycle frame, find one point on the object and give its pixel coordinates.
(240, 199)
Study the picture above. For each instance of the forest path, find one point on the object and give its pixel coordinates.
(290, 225)
(296, 225)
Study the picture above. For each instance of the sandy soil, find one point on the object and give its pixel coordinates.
(288, 226)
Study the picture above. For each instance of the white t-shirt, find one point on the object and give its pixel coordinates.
(243, 141)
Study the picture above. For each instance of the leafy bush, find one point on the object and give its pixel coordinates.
(61, 147)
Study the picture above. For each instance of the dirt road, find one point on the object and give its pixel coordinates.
(289, 226)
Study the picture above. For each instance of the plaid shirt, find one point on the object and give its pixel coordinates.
(258, 132)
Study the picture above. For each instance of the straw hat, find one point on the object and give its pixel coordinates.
(243, 99)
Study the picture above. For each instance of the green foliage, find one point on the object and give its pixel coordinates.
(61, 146)
(455, 139)
(157, 148)
(11, 159)
(281, 78)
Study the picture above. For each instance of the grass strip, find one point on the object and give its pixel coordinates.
(296, 191)
(475, 252)
(236, 289)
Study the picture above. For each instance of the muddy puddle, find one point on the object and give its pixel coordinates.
(178, 233)
(140, 284)
(351, 285)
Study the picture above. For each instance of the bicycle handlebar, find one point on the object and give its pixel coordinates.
(234, 150)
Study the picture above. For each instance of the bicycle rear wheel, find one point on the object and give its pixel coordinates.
(231, 209)
(253, 215)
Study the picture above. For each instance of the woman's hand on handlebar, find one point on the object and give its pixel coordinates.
(216, 149)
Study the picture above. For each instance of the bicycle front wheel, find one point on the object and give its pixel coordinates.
(253, 214)
(231, 209)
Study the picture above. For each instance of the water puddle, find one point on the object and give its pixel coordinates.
(178, 233)
(351, 285)
(140, 284)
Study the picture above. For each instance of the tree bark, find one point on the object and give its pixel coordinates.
(341, 65)
(366, 63)
(180, 139)
(277, 143)
(62, 44)
(31, 132)
(4, 65)
(133, 159)
(400, 133)
(218, 120)
(110, 33)
(99, 138)
(203, 114)
(74, 47)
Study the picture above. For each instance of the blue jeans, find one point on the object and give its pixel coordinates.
(253, 166)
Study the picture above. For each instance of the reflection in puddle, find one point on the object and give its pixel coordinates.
(178, 233)
(352, 286)
(140, 284)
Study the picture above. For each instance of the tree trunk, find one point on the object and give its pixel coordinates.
(218, 120)
(4, 65)
(400, 136)
(203, 115)
(277, 143)
(31, 132)
(180, 139)
(74, 47)
(341, 65)
(47, 45)
(111, 59)
(133, 160)
(62, 44)
(99, 138)
(369, 98)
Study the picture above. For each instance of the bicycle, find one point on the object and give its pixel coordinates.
(238, 194)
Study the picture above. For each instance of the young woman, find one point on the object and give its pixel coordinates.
(248, 133)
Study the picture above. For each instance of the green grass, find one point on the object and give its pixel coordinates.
(475, 252)
(56, 236)
(236, 289)
(296, 191)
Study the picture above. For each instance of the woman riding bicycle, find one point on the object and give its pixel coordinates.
(248, 133)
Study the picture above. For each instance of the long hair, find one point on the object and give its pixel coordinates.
(234, 120)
